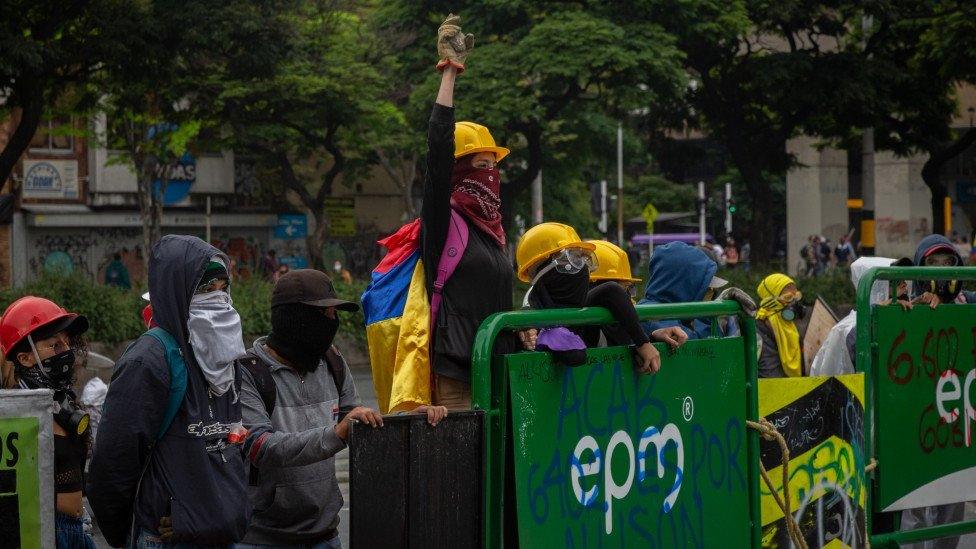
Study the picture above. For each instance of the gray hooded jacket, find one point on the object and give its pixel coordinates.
(295, 495)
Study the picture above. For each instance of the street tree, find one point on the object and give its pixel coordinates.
(312, 116)
(920, 53)
(541, 76)
(49, 52)
(761, 73)
(153, 101)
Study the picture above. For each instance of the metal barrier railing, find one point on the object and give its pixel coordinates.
(490, 391)
(876, 326)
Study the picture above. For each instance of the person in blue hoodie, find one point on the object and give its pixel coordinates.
(188, 487)
(679, 273)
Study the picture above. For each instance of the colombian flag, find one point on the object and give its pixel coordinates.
(397, 314)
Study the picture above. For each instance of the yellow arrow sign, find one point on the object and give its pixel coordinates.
(650, 213)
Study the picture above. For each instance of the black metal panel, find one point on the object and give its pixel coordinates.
(413, 485)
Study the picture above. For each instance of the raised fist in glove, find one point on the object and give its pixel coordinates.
(735, 294)
(453, 46)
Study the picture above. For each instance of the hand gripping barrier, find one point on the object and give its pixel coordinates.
(676, 458)
(920, 366)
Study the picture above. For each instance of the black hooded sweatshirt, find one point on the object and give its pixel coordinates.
(193, 475)
(946, 290)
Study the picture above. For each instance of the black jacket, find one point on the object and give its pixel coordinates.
(482, 283)
(193, 475)
(769, 363)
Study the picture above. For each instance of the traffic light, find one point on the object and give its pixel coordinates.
(731, 205)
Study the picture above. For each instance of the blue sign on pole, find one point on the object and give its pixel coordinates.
(291, 227)
(966, 192)
(294, 261)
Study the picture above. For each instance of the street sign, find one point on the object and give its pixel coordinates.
(924, 401)
(966, 192)
(605, 457)
(291, 227)
(294, 261)
(341, 213)
(650, 213)
(53, 179)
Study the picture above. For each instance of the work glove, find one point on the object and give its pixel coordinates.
(746, 302)
(453, 46)
(166, 529)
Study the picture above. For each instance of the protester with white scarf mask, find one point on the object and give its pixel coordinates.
(215, 328)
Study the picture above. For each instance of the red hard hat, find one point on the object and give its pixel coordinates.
(29, 314)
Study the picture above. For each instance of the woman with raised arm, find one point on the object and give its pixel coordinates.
(461, 194)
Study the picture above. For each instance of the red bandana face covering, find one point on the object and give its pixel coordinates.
(476, 195)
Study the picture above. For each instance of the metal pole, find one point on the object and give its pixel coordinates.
(208, 219)
(620, 183)
(537, 198)
(604, 217)
(701, 213)
(728, 212)
(867, 172)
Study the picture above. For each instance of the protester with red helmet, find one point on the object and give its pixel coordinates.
(41, 339)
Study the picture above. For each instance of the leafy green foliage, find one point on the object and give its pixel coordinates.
(113, 313)
(834, 286)
(549, 78)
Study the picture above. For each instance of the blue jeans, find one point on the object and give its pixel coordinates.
(148, 540)
(70, 533)
(334, 543)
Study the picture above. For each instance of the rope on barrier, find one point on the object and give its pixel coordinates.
(768, 431)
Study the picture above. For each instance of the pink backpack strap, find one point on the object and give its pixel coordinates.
(454, 246)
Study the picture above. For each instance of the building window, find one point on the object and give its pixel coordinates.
(54, 136)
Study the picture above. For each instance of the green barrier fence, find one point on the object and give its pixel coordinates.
(603, 456)
(919, 366)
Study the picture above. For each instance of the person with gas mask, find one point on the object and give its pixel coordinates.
(168, 468)
(780, 305)
(299, 400)
(613, 271)
(936, 250)
(42, 340)
(557, 263)
(679, 273)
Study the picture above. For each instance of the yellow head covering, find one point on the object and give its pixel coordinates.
(784, 331)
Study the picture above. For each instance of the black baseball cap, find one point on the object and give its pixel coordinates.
(309, 287)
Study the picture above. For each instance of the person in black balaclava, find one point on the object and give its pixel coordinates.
(43, 341)
(293, 392)
(563, 281)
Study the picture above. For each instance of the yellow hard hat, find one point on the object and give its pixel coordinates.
(612, 263)
(543, 240)
(471, 138)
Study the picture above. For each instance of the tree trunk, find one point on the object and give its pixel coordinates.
(20, 139)
(762, 232)
(316, 240)
(932, 175)
(403, 172)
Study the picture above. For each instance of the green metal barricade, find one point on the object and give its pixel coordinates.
(605, 457)
(920, 366)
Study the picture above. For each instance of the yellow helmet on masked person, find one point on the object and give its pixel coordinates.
(542, 241)
(613, 263)
(471, 138)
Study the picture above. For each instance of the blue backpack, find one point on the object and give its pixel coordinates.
(177, 376)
